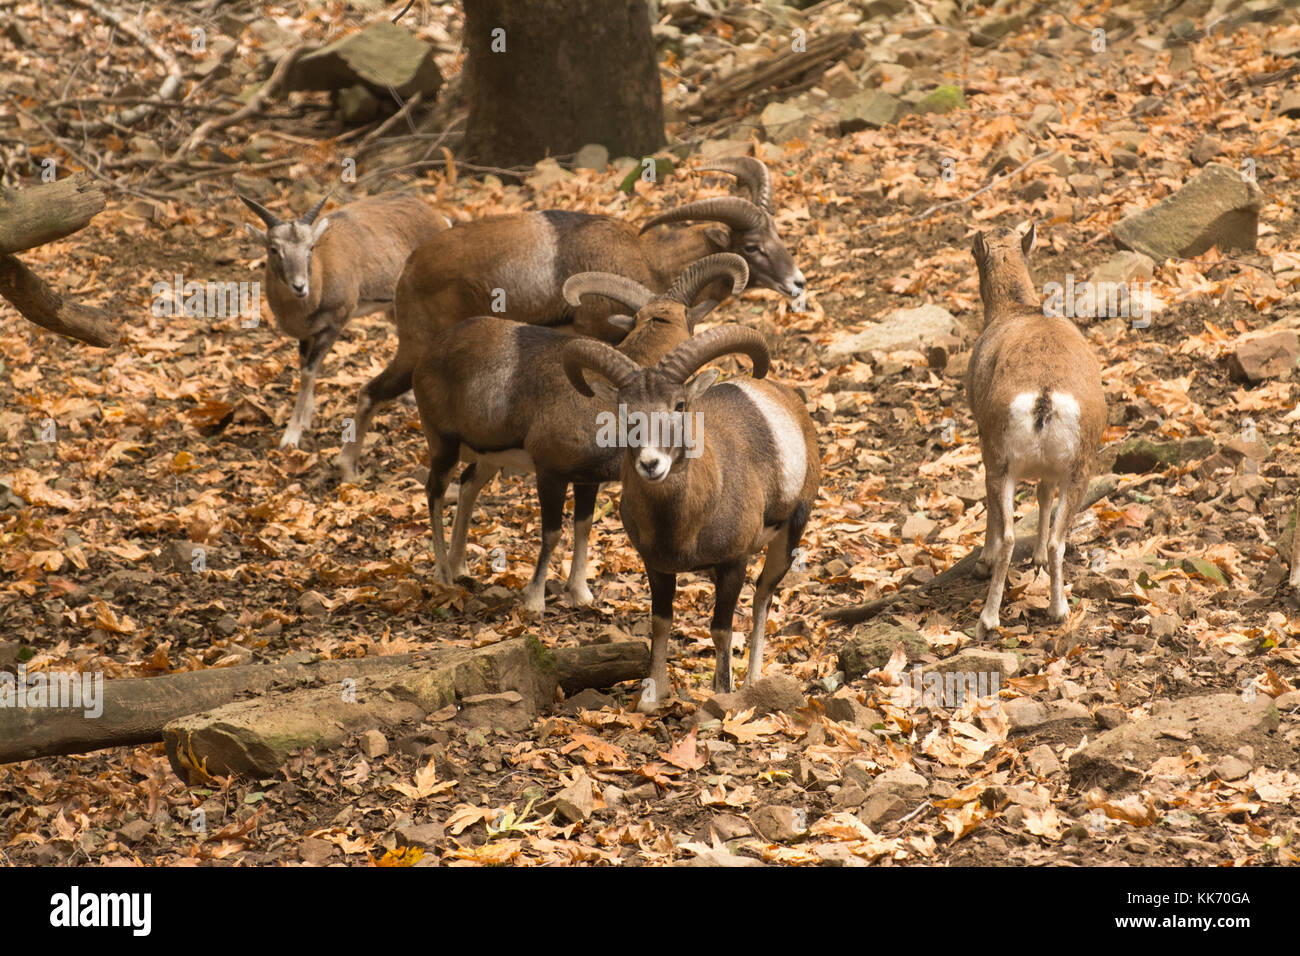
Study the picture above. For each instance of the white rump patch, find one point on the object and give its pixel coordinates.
(791, 452)
(1049, 451)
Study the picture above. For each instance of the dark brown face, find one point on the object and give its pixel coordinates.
(656, 425)
(770, 264)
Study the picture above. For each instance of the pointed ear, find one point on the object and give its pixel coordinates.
(605, 393)
(701, 383)
(623, 323)
(317, 229)
(1027, 240)
(719, 237)
(977, 248)
(697, 312)
(258, 234)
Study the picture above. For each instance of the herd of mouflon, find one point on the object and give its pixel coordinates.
(564, 345)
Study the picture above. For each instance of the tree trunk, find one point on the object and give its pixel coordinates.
(546, 77)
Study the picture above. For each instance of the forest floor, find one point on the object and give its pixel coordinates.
(1177, 579)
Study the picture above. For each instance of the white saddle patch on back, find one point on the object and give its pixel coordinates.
(791, 451)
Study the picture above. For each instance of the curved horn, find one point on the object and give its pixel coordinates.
(729, 210)
(264, 214)
(703, 271)
(603, 359)
(310, 215)
(682, 362)
(752, 174)
(619, 288)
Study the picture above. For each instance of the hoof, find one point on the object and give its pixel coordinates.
(982, 569)
(581, 596)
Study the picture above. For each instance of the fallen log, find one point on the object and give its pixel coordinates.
(134, 711)
(39, 214)
(32, 217)
(1025, 531)
(38, 302)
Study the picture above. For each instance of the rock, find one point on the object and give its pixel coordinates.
(614, 796)
(1028, 716)
(728, 826)
(1084, 184)
(850, 796)
(900, 329)
(907, 785)
(508, 710)
(1205, 149)
(1140, 455)
(546, 173)
(991, 30)
(917, 526)
(424, 835)
(945, 99)
(135, 831)
(880, 808)
(767, 695)
(870, 108)
(785, 121)
(845, 708)
(838, 854)
(1216, 723)
(1124, 267)
(873, 644)
(1288, 701)
(185, 557)
(708, 856)
(1024, 713)
(592, 156)
(840, 82)
(1009, 155)
(587, 699)
(1217, 208)
(574, 803)
(1232, 768)
(357, 105)
(1042, 761)
(374, 744)
(778, 824)
(1264, 356)
(312, 604)
(1164, 626)
(1043, 114)
(1290, 104)
(980, 660)
(385, 57)
(226, 625)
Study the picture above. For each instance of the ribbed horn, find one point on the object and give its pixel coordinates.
(621, 289)
(310, 215)
(752, 174)
(603, 359)
(264, 214)
(685, 360)
(730, 210)
(703, 271)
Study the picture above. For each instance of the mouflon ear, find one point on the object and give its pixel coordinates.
(1027, 240)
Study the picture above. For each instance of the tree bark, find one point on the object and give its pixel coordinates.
(32, 217)
(40, 303)
(572, 72)
(40, 214)
(136, 709)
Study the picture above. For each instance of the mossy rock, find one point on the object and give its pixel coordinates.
(945, 99)
(873, 644)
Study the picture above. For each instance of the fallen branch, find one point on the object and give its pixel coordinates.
(1025, 532)
(39, 303)
(171, 86)
(39, 214)
(135, 710)
(249, 109)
